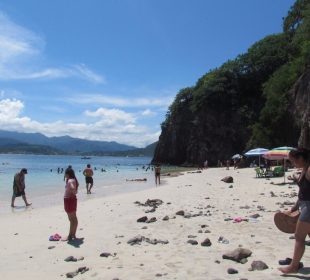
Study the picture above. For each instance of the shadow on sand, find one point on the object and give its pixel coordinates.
(304, 271)
(76, 242)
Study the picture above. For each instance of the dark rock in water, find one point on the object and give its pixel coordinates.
(228, 179)
(200, 231)
(180, 213)
(72, 274)
(232, 271)
(231, 186)
(51, 247)
(70, 259)
(258, 265)
(158, 275)
(217, 261)
(152, 220)
(142, 219)
(206, 243)
(243, 261)
(191, 236)
(150, 210)
(192, 242)
(237, 255)
(166, 218)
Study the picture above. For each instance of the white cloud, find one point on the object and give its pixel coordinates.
(20, 47)
(106, 125)
(148, 113)
(101, 99)
(112, 116)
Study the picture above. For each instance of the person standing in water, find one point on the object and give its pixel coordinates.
(88, 173)
(157, 174)
(19, 187)
(70, 202)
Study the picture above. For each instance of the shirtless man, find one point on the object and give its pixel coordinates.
(88, 173)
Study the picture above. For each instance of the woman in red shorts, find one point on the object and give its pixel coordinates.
(70, 202)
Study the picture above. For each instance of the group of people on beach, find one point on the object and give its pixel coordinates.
(71, 190)
(299, 157)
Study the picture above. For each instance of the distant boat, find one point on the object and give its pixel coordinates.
(85, 157)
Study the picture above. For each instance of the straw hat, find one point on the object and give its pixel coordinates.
(286, 222)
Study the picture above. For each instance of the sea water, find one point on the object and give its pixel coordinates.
(45, 186)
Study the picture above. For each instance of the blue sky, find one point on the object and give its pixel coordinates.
(108, 70)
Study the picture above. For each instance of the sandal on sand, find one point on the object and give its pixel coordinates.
(55, 237)
(288, 261)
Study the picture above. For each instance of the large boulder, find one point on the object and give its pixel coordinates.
(238, 254)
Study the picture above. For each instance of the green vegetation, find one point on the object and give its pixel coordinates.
(242, 104)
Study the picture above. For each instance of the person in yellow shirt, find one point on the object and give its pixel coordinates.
(88, 173)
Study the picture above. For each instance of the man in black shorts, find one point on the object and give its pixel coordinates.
(19, 187)
(88, 173)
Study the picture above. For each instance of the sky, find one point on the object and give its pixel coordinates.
(108, 70)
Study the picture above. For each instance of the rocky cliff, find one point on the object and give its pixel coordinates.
(300, 106)
(259, 99)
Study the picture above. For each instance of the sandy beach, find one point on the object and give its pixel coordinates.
(107, 224)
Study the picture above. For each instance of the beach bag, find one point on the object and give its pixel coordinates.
(286, 221)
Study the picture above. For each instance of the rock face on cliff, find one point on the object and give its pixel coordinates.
(300, 106)
(213, 120)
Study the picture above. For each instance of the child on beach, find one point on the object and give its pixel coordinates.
(301, 159)
(19, 187)
(70, 202)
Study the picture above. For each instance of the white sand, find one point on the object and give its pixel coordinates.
(24, 235)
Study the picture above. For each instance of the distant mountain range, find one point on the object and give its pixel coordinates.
(37, 143)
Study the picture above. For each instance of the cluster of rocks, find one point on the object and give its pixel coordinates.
(190, 215)
(81, 270)
(241, 255)
(153, 203)
(137, 240)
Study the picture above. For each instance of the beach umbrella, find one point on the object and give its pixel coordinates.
(236, 156)
(258, 152)
(280, 153)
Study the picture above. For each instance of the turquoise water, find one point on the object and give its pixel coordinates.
(44, 186)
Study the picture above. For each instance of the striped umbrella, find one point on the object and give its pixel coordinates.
(279, 153)
(256, 152)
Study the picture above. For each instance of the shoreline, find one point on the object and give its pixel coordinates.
(108, 223)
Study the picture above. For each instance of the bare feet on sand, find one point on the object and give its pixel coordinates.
(288, 269)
